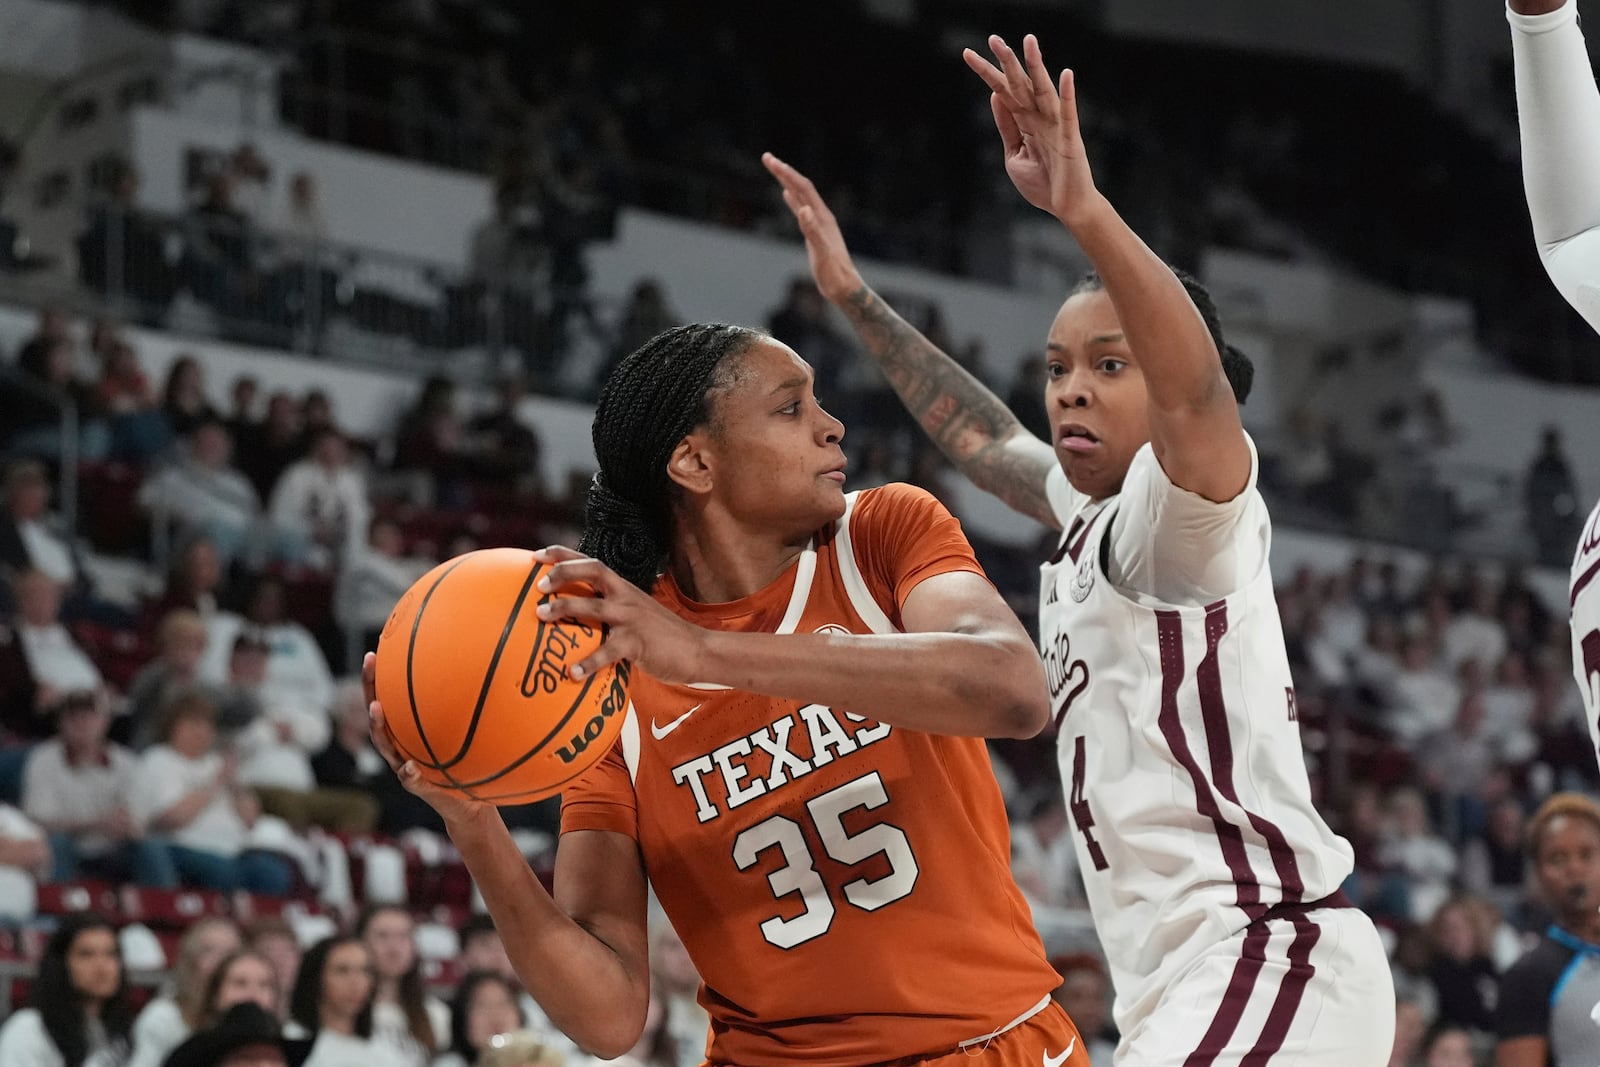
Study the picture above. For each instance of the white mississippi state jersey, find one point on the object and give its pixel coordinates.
(1585, 603)
(1177, 739)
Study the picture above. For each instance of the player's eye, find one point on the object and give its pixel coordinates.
(792, 408)
(1113, 366)
(1054, 370)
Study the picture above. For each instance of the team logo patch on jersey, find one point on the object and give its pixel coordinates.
(1082, 581)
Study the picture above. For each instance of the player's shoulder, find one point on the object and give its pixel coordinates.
(1540, 966)
(1586, 556)
(891, 502)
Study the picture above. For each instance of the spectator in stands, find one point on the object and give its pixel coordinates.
(430, 443)
(1424, 698)
(504, 449)
(53, 662)
(1042, 856)
(485, 1004)
(646, 314)
(330, 1010)
(24, 861)
(408, 1024)
(1085, 993)
(1494, 863)
(274, 940)
(243, 976)
(180, 1009)
(1550, 497)
(251, 181)
(125, 399)
(1411, 846)
(350, 763)
(183, 797)
(371, 583)
(183, 399)
(803, 323)
(180, 646)
(30, 538)
(35, 393)
(322, 501)
(1546, 997)
(674, 979)
(241, 420)
(316, 416)
(297, 673)
(78, 788)
(275, 443)
(245, 1036)
(1463, 975)
(301, 225)
(1476, 633)
(79, 1014)
(205, 495)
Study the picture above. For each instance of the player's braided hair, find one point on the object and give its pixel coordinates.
(650, 402)
(1240, 372)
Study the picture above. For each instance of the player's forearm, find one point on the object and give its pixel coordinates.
(958, 413)
(1179, 361)
(964, 685)
(577, 979)
(1559, 112)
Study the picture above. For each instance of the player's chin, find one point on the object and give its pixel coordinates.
(1089, 474)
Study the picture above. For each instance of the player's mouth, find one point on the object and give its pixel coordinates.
(1077, 438)
(835, 474)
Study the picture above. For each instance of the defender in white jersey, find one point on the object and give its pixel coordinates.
(1213, 881)
(1559, 109)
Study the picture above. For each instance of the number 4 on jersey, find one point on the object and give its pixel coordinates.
(1081, 816)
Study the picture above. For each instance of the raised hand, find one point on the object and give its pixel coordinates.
(638, 628)
(1038, 124)
(454, 808)
(836, 276)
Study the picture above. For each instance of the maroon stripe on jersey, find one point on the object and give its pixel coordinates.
(1583, 580)
(1169, 638)
(1219, 743)
(1276, 1028)
(1252, 955)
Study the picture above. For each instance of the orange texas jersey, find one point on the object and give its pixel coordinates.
(843, 886)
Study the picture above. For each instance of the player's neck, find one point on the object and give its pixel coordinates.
(714, 561)
(1585, 927)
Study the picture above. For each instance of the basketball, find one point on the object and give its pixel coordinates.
(474, 685)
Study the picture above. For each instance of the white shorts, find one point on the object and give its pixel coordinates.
(1309, 990)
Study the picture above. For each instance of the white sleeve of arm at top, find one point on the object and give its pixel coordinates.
(1179, 548)
(1558, 107)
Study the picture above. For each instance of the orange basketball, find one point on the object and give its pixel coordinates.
(474, 685)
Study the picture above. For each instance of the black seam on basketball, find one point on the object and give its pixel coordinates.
(572, 709)
(553, 787)
(494, 663)
(411, 688)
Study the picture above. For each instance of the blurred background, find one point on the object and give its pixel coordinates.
(298, 297)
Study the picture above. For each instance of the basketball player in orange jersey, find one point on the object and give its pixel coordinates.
(1213, 882)
(801, 775)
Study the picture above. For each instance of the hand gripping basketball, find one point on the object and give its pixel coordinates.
(453, 807)
(638, 629)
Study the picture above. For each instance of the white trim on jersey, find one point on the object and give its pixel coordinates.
(805, 572)
(1012, 1025)
(630, 742)
(855, 586)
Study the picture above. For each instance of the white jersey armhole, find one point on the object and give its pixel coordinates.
(855, 586)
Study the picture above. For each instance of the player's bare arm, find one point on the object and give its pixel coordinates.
(1194, 419)
(1536, 7)
(582, 954)
(965, 667)
(971, 425)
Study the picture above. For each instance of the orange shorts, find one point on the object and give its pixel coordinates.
(1049, 1038)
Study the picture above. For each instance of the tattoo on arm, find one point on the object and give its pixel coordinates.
(971, 425)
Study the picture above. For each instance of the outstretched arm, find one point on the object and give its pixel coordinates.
(1194, 420)
(1559, 110)
(971, 425)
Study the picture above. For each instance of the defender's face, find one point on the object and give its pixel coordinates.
(1095, 394)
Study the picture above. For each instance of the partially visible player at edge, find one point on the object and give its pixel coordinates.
(1213, 882)
(1559, 110)
(800, 772)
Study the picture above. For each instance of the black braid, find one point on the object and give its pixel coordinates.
(1236, 366)
(650, 402)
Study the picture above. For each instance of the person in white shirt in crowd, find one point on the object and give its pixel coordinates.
(183, 798)
(1423, 698)
(301, 223)
(1476, 633)
(372, 581)
(243, 976)
(78, 1014)
(407, 1023)
(31, 538)
(483, 950)
(322, 500)
(297, 672)
(676, 982)
(1410, 845)
(204, 494)
(1043, 859)
(181, 641)
(78, 788)
(24, 861)
(485, 1004)
(179, 1011)
(55, 662)
(330, 1010)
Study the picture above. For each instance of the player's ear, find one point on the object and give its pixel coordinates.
(690, 465)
